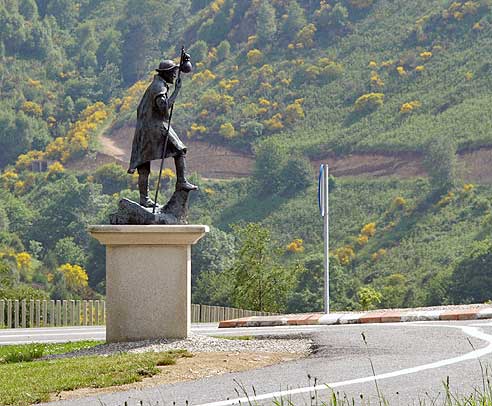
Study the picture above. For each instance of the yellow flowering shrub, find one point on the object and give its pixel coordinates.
(216, 5)
(294, 112)
(295, 246)
(362, 240)
(373, 64)
(198, 129)
(75, 276)
(369, 102)
(305, 37)
(410, 106)
(8, 178)
(254, 56)
(209, 191)
(478, 26)
(444, 201)
(274, 123)
(203, 77)
(251, 40)
(228, 84)
(168, 173)
(23, 260)
(469, 76)
(24, 161)
(55, 167)
(426, 55)
(227, 130)
(34, 83)
(378, 255)
(419, 68)
(399, 202)
(345, 254)
(32, 108)
(468, 187)
(401, 71)
(369, 230)
(376, 80)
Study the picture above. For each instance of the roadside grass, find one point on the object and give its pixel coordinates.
(28, 352)
(25, 383)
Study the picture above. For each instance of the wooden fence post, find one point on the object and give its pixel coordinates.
(91, 302)
(2, 313)
(9, 313)
(23, 313)
(58, 313)
(38, 313)
(45, 313)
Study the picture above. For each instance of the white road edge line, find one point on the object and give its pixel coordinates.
(471, 331)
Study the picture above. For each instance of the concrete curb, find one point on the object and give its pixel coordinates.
(378, 316)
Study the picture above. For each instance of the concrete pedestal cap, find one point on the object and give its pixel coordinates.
(148, 235)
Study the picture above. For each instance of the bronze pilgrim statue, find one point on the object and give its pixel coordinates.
(155, 139)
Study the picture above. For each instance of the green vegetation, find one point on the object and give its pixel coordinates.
(28, 352)
(290, 81)
(25, 383)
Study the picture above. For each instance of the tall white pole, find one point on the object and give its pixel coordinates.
(326, 236)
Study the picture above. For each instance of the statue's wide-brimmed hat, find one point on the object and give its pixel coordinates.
(167, 65)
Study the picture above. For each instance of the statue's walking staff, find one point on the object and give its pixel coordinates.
(184, 66)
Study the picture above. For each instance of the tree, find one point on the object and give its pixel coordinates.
(266, 23)
(199, 50)
(67, 251)
(296, 175)
(112, 177)
(223, 50)
(308, 293)
(215, 253)
(294, 22)
(440, 163)
(270, 160)
(471, 280)
(261, 282)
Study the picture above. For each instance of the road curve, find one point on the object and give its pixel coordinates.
(410, 360)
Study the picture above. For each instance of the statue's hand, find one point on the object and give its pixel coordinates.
(178, 83)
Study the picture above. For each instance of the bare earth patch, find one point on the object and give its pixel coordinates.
(201, 365)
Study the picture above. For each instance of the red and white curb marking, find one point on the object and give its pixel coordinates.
(380, 316)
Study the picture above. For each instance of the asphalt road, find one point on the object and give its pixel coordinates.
(410, 361)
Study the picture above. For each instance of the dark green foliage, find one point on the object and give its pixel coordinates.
(296, 176)
(223, 50)
(67, 251)
(270, 160)
(440, 162)
(199, 50)
(295, 20)
(471, 281)
(266, 23)
(261, 282)
(112, 177)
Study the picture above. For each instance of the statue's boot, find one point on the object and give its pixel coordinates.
(143, 188)
(181, 181)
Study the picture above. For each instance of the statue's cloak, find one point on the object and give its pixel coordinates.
(151, 128)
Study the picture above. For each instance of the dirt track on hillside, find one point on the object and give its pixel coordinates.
(218, 162)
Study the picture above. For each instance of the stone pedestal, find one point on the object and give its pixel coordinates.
(148, 279)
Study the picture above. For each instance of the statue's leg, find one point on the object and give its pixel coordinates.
(143, 185)
(181, 182)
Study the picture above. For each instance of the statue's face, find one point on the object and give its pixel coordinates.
(170, 75)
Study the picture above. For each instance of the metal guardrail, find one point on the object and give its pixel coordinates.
(58, 313)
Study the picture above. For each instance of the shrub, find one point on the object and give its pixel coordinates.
(369, 102)
(255, 56)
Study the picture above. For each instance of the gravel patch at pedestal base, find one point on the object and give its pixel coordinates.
(196, 343)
